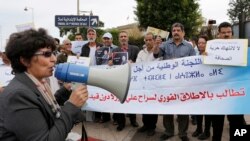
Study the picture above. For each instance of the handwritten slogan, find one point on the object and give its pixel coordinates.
(83, 61)
(179, 86)
(227, 52)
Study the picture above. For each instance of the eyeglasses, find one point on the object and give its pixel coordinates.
(68, 44)
(46, 53)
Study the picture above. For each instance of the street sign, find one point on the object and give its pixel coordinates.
(76, 21)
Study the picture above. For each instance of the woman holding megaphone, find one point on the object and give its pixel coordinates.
(29, 110)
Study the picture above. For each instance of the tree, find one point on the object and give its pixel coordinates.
(163, 13)
(239, 12)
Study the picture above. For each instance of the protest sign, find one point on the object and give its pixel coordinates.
(231, 52)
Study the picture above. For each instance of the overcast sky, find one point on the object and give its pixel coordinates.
(112, 12)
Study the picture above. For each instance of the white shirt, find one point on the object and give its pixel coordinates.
(145, 56)
(92, 56)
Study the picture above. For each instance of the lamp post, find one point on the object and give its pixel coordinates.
(32, 12)
(78, 13)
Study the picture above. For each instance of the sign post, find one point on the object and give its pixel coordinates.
(76, 21)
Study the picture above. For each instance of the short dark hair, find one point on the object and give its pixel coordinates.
(78, 34)
(150, 33)
(203, 37)
(178, 25)
(224, 24)
(25, 44)
(57, 40)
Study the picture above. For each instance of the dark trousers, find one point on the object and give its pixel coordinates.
(103, 116)
(121, 120)
(149, 121)
(199, 119)
(235, 121)
(183, 121)
(217, 124)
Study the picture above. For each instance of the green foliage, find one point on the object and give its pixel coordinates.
(115, 34)
(163, 13)
(137, 41)
(239, 10)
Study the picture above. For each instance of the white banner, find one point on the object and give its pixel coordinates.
(179, 86)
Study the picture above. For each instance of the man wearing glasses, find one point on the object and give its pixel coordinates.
(66, 51)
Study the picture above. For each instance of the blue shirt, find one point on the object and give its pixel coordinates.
(169, 50)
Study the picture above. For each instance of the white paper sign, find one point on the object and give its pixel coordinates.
(6, 76)
(23, 27)
(77, 46)
(84, 61)
(156, 31)
(231, 52)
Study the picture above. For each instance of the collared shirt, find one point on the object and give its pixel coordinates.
(169, 50)
(145, 56)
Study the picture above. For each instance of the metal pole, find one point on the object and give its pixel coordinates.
(89, 19)
(32, 12)
(78, 13)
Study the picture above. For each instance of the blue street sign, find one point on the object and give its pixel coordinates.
(76, 21)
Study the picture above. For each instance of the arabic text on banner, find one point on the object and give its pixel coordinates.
(179, 86)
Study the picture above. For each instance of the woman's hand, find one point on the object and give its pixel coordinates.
(79, 96)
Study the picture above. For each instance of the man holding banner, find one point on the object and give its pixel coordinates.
(177, 47)
(146, 55)
(225, 32)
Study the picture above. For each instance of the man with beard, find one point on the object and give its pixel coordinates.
(177, 47)
(88, 50)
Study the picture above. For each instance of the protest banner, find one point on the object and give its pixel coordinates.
(179, 86)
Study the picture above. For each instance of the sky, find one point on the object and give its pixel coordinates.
(112, 12)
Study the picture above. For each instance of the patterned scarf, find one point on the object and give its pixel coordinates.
(45, 90)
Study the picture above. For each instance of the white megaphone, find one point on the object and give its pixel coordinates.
(115, 80)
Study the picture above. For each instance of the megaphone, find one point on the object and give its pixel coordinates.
(115, 80)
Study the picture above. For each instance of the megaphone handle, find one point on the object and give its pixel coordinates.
(75, 84)
(73, 87)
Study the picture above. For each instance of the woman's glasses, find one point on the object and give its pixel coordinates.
(46, 53)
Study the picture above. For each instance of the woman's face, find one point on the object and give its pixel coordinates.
(42, 63)
(202, 44)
